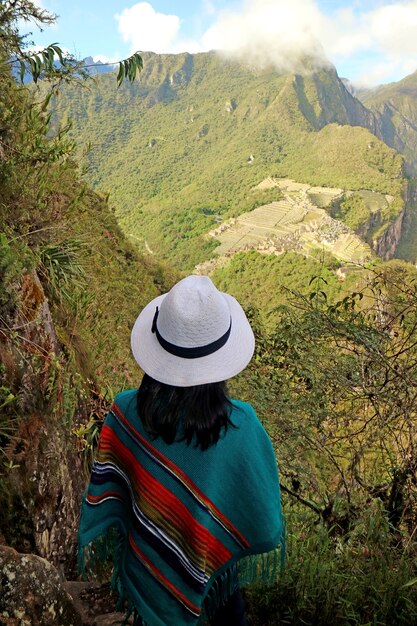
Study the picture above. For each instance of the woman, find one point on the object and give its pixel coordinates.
(184, 491)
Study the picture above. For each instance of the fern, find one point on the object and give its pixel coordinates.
(61, 270)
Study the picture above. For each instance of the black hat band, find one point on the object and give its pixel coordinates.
(189, 353)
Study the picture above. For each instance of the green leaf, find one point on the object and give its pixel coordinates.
(51, 56)
(46, 102)
(22, 70)
(410, 583)
(58, 51)
(129, 68)
(38, 64)
(33, 69)
(120, 75)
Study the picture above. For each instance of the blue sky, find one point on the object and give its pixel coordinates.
(369, 42)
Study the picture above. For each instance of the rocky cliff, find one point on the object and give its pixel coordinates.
(395, 109)
(324, 99)
(386, 244)
(45, 479)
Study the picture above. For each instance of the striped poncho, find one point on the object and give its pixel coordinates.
(181, 525)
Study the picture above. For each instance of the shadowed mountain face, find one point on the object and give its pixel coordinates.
(395, 109)
(183, 148)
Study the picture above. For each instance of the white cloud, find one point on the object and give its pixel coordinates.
(282, 32)
(145, 29)
(394, 28)
(389, 30)
(115, 58)
(386, 35)
(385, 71)
(380, 41)
(270, 31)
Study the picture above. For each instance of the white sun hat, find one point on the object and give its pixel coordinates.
(192, 335)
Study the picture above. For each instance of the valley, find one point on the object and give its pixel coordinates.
(194, 157)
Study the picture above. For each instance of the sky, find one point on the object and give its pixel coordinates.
(369, 41)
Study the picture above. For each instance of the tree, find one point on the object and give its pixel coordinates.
(339, 385)
(51, 63)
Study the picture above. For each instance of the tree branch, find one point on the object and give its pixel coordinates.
(311, 505)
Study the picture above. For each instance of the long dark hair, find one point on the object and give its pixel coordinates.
(182, 413)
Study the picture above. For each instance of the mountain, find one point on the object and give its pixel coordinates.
(97, 67)
(395, 109)
(92, 67)
(187, 146)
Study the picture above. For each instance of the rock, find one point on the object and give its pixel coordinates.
(386, 245)
(96, 603)
(203, 130)
(231, 105)
(44, 489)
(32, 592)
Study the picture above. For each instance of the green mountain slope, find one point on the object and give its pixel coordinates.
(265, 282)
(395, 110)
(182, 149)
(395, 107)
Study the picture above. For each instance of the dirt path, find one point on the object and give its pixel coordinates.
(148, 248)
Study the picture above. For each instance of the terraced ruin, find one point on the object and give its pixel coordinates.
(298, 222)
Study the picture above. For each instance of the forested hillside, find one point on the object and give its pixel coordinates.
(183, 148)
(395, 106)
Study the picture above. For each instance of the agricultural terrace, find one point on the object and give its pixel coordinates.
(298, 223)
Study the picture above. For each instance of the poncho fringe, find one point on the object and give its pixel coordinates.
(108, 548)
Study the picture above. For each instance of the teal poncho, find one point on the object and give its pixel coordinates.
(181, 524)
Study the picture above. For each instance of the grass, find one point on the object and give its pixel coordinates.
(356, 579)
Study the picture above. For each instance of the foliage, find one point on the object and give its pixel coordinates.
(51, 223)
(353, 210)
(263, 281)
(355, 579)
(340, 384)
(407, 248)
(333, 378)
(51, 63)
(367, 214)
(394, 106)
(14, 259)
(334, 383)
(13, 45)
(41, 64)
(7, 421)
(12, 14)
(129, 68)
(60, 268)
(70, 289)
